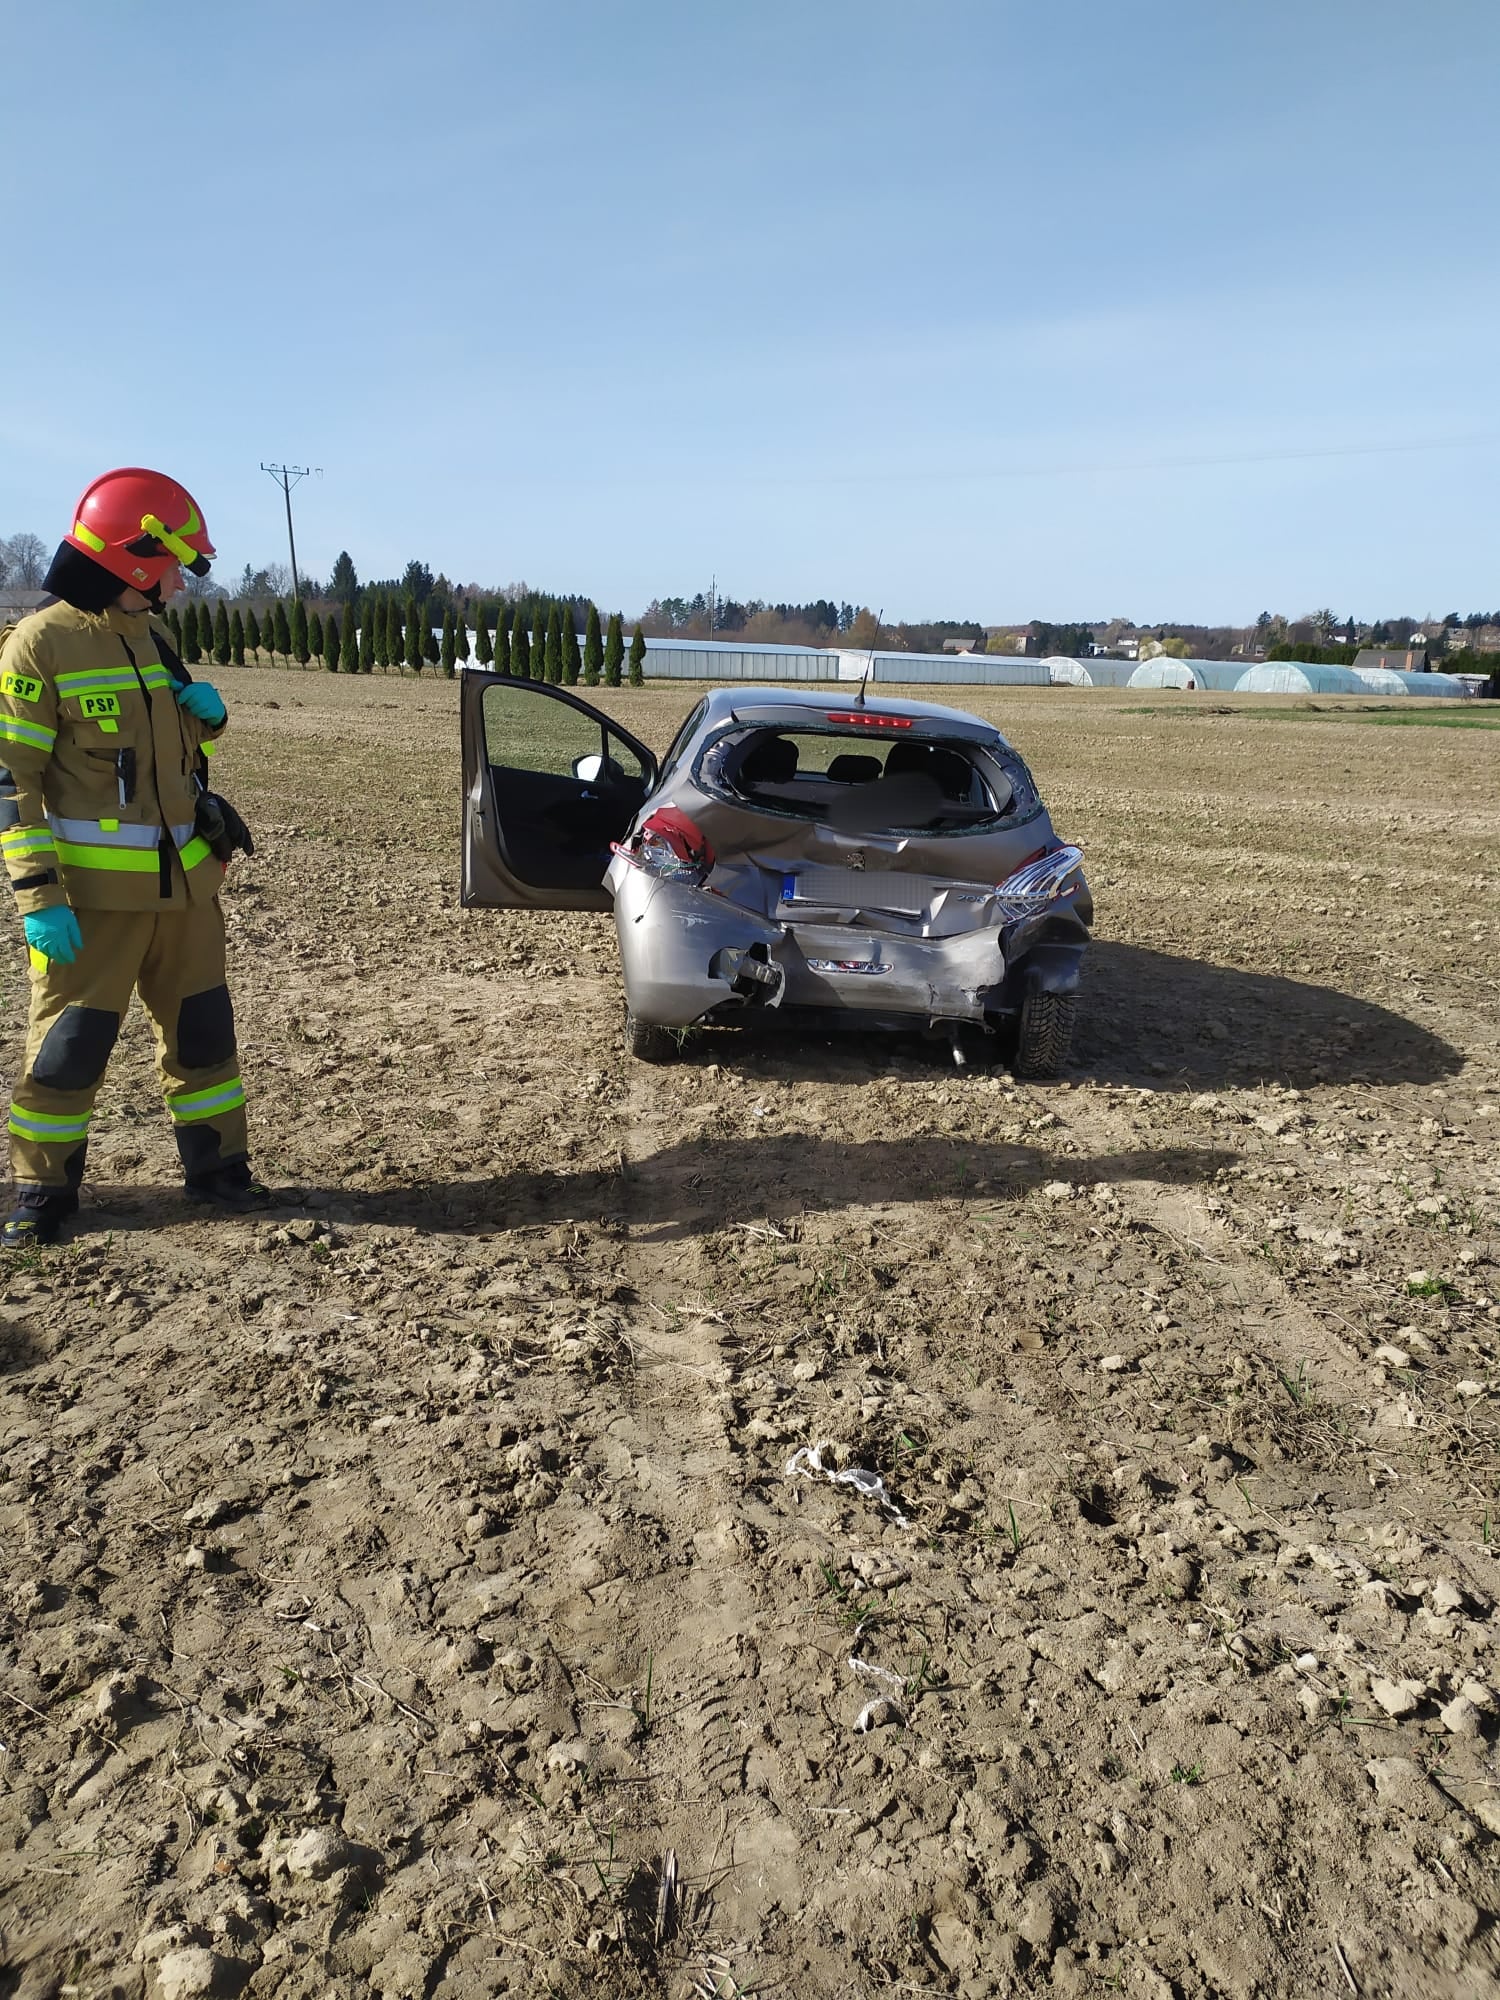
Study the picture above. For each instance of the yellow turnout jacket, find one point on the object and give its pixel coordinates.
(98, 808)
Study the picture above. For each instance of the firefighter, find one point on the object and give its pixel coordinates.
(102, 732)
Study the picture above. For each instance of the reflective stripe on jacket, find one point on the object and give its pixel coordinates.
(98, 797)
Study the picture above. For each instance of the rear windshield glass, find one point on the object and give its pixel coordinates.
(863, 781)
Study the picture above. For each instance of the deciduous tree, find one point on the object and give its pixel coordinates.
(26, 561)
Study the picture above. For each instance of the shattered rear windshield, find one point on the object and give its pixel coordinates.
(862, 781)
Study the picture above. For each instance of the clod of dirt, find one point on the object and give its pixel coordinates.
(569, 1755)
(878, 1715)
(1460, 1717)
(1446, 1597)
(315, 1855)
(193, 1972)
(1397, 1698)
(1402, 1785)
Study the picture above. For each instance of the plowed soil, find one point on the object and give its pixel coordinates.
(406, 1591)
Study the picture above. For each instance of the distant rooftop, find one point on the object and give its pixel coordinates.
(1411, 659)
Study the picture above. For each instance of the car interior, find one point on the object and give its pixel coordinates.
(940, 784)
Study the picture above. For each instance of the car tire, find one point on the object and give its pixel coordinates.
(650, 1044)
(1044, 1033)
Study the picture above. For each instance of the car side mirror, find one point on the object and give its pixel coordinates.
(589, 769)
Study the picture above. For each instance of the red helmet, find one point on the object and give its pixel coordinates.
(136, 524)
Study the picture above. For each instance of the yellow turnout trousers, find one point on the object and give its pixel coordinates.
(175, 959)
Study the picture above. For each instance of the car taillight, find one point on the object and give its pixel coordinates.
(1039, 880)
(862, 720)
(672, 846)
(1037, 854)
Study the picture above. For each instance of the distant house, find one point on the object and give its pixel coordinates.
(964, 645)
(1399, 659)
(16, 603)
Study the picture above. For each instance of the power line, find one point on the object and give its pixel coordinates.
(286, 477)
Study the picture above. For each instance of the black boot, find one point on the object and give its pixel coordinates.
(37, 1217)
(230, 1186)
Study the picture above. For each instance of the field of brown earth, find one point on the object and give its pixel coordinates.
(405, 1593)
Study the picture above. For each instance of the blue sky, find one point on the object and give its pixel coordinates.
(1066, 308)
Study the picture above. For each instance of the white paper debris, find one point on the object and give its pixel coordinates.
(806, 1462)
(868, 1671)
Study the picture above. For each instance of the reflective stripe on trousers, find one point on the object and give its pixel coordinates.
(187, 1106)
(48, 1130)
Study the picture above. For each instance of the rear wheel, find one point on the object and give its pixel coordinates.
(651, 1044)
(1044, 1032)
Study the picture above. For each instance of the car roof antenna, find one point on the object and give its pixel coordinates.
(859, 699)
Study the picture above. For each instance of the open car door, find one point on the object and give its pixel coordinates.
(548, 783)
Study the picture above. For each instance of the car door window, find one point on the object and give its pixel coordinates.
(525, 731)
(562, 785)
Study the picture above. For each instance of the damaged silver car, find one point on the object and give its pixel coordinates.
(834, 861)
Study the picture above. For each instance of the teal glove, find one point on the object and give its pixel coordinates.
(202, 701)
(54, 933)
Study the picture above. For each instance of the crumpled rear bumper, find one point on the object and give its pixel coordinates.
(672, 936)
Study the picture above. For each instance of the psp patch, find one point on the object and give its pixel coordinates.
(101, 704)
(24, 687)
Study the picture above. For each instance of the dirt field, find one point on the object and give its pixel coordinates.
(407, 1594)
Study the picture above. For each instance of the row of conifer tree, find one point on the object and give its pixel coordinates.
(395, 635)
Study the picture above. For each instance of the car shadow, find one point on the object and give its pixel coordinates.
(1218, 1024)
(696, 1186)
(1144, 1017)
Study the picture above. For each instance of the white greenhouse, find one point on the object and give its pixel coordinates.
(1299, 677)
(1391, 680)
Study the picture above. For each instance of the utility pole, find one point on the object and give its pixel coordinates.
(713, 598)
(286, 477)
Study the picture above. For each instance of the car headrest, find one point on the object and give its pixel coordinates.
(772, 761)
(849, 769)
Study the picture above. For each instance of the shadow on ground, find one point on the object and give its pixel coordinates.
(1212, 1024)
(1145, 1017)
(707, 1184)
